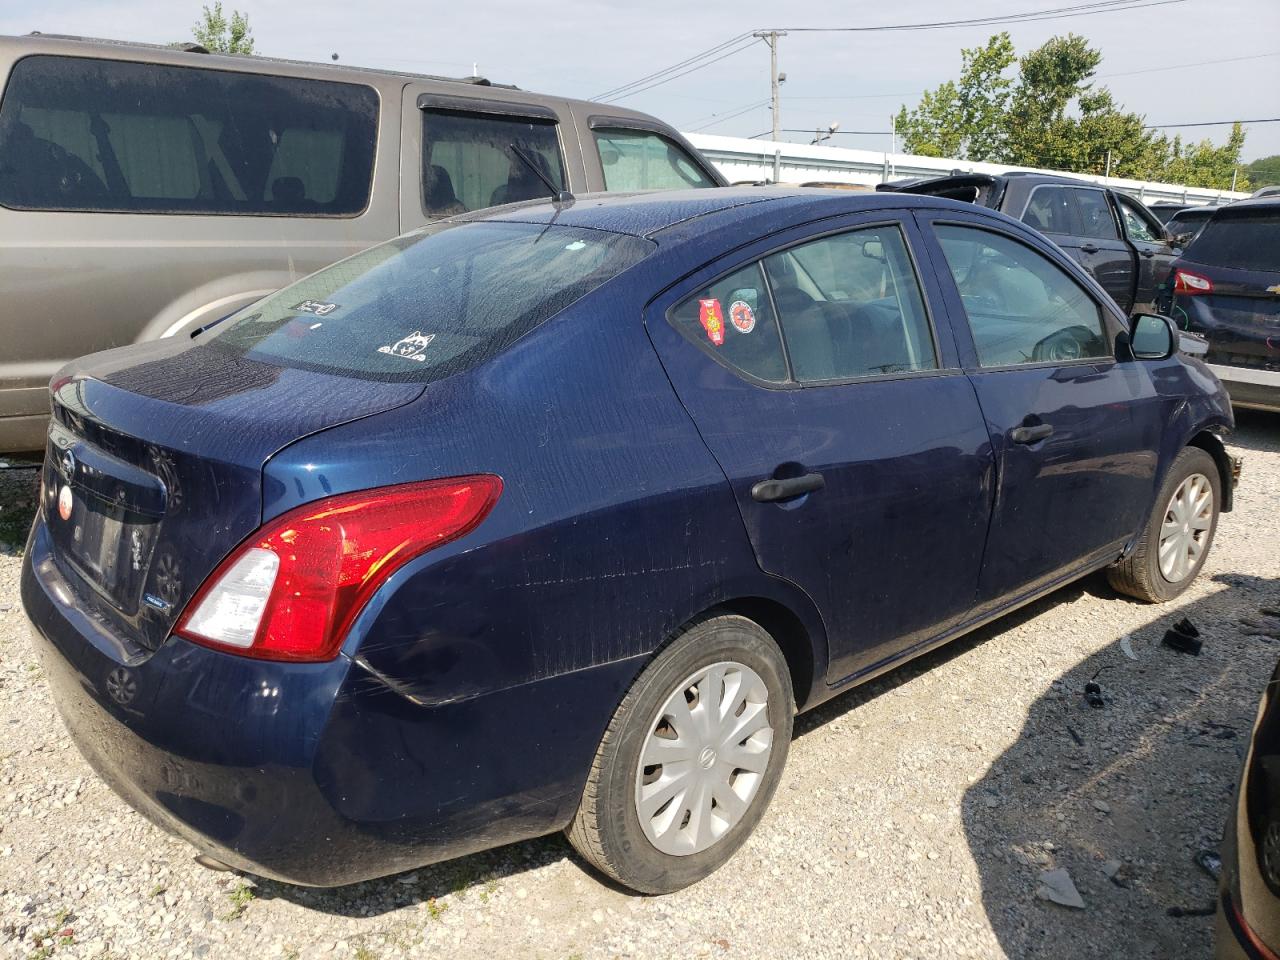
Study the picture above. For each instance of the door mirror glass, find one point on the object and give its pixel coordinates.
(1152, 337)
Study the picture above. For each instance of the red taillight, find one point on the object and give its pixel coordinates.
(291, 591)
(1190, 284)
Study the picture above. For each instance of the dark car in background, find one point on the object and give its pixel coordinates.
(553, 517)
(1185, 225)
(1109, 233)
(1226, 288)
(1248, 925)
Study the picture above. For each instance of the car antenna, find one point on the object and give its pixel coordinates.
(558, 197)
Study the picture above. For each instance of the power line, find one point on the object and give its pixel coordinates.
(735, 45)
(675, 66)
(1183, 66)
(715, 118)
(1208, 123)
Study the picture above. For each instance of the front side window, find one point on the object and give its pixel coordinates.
(1136, 224)
(1049, 210)
(1096, 218)
(850, 306)
(1021, 307)
(473, 160)
(639, 160)
(429, 304)
(734, 321)
(107, 135)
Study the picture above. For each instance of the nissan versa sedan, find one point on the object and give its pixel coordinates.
(552, 518)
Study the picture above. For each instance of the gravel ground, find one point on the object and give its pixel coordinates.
(914, 819)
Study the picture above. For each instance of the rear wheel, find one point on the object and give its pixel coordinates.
(1178, 534)
(690, 760)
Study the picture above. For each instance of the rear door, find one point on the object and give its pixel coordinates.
(1075, 432)
(1080, 220)
(1149, 240)
(853, 443)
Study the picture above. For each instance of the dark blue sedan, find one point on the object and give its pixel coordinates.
(553, 518)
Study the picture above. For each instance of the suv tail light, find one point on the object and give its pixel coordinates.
(1190, 284)
(291, 591)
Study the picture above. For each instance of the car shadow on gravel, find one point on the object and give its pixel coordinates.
(1141, 784)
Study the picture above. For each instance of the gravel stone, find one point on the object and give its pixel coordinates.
(914, 820)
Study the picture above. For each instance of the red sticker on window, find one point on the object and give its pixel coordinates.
(712, 318)
(742, 316)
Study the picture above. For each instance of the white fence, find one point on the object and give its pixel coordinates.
(742, 159)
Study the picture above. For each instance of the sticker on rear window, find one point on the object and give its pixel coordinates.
(318, 307)
(411, 347)
(712, 318)
(742, 316)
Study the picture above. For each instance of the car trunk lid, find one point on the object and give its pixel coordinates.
(154, 466)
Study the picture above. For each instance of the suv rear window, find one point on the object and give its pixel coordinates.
(1242, 239)
(469, 161)
(429, 304)
(108, 135)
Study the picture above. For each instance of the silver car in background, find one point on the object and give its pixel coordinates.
(147, 191)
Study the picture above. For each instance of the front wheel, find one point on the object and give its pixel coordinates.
(1178, 534)
(690, 760)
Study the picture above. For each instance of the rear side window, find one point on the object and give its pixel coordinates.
(1021, 307)
(1096, 219)
(472, 160)
(1242, 239)
(639, 160)
(851, 306)
(429, 304)
(1049, 210)
(734, 321)
(112, 136)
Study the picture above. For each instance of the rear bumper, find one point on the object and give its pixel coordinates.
(1250, 386)
(314, 774)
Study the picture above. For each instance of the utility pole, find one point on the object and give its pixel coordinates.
(771, 38)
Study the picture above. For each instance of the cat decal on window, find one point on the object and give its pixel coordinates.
(412, 347)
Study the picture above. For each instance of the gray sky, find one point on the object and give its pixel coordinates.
(579, 48)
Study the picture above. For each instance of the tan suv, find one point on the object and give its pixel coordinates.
(146, 191)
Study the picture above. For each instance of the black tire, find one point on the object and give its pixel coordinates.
(1138, 574)
(606, 830)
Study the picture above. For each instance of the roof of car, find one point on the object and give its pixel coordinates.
(649, 213)
(1254, 203)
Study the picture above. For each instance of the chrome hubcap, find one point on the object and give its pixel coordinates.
(704, 758)
(1185, 530)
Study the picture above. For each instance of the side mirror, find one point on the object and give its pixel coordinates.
(1152, 337)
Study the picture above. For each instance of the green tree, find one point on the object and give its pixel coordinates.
(1265, 171)
(964, 120)
(217, 34)
(1052, 115)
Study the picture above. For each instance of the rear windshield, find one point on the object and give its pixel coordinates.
(108, 135)
(1243, 239)
(429, 304)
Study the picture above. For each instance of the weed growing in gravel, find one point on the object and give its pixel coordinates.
(240, 898)
(489, 889)
(158, 889)
(435, 908)
(364, 953)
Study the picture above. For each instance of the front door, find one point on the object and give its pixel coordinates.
(1155, 254)
(1075, 432)
(853, 443)
(1080, 220)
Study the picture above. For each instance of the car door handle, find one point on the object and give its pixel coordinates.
(1031, 434)
(766, 491)
(1147, 253)
(1089, 247)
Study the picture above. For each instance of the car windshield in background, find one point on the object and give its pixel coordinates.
(1241, 239)
(432, 303)
(108, 135)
